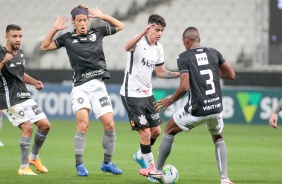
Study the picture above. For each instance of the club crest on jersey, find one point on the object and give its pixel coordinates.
(92, 37)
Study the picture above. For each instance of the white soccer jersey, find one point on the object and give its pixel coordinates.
(140, 65)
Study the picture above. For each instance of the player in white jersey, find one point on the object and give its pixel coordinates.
(145, 54)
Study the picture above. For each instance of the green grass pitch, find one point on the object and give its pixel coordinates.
(254, 155)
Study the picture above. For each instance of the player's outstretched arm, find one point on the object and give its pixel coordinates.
(96, 13)
(48, 42)
(179, 93)
(226, 71)
(273, 119)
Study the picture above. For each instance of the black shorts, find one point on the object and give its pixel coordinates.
(141, 112)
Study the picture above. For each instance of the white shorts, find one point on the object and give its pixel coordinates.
(23, 112)
(186, 121)
(92, 95)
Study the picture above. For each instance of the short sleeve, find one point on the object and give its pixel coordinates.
(182, 64)
(220, 58)
(107, 30)
(61, 40)
(161, 56)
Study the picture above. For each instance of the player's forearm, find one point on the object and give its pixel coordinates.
(133, 41)
(278, 108)
(169, 75)
(179, 93)
(29, 80)
(48, 39)
(118, 24)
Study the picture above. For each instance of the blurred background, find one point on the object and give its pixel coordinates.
(247, 33)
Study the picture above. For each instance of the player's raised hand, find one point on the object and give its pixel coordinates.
(273, 120)
(39, 85)
(163, 103)
(148, 27)
(59, 24)
(95, 13)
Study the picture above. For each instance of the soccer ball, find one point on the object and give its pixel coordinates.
(170, 174)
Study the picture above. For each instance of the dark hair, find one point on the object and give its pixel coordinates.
(12, 27)
(79, 9)
(157, 19)
(192, 34)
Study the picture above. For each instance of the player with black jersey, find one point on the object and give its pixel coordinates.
(16, 102)
(85, 51)
(200, 71)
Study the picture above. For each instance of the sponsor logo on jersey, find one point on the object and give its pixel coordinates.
(92, 73)
(148, 63)
(23, 95)
(249, 103)
(12, 65)
(140, 90)
(104, 101)
(211, 107)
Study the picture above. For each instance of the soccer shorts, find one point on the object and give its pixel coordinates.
(92, 95)
(187, 122)
(23, 112)
(141, 112)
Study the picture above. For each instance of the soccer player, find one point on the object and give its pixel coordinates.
(273, 119)
(1, 124)
(144, 54)
(85, 51)
(200, 69)
(17, 104)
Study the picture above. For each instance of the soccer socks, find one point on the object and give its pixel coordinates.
(164, 150)
(24, 145)
(39, 139)
(79, 146)
(147, 154)
(221, 158)
(109, 140)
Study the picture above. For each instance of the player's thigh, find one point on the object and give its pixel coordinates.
(33, 111)
(186, 121)
(79, 99)
(135, 108)
(100, 100)
(215, 124)
(152, 115)
(16, 114)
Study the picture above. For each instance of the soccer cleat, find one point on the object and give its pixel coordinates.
(141, 162)
(153, 180)
(151, 172)
(226, 181)
(37, 163)
(110, 167)
(26, 171)
(81, 170)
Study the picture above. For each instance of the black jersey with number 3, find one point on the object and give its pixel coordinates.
(202, 64)
(12, 86)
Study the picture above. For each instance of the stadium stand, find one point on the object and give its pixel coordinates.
(237, 28)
